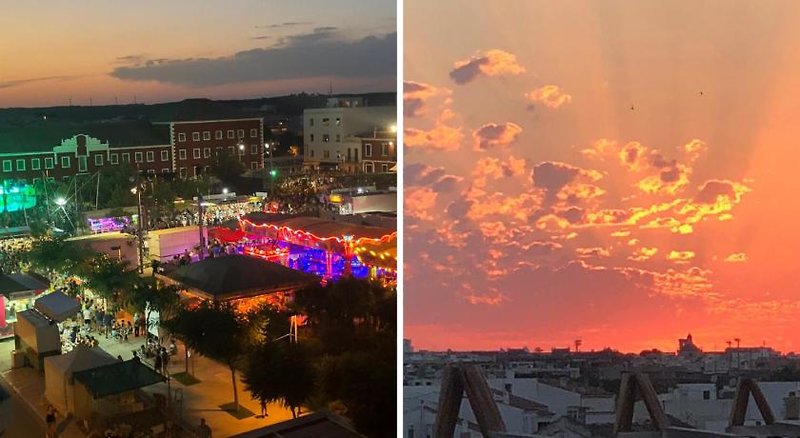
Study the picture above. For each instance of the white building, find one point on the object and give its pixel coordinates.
(330, 134)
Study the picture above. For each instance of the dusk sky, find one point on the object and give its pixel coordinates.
(620, 172)
(162, 51)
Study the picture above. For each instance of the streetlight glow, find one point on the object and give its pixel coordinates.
(61, 201)
(225, 191)
(393, 128)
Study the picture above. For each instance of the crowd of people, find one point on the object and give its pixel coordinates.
(12, 253)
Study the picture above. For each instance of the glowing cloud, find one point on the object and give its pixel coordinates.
(444, 136)
(680, 256)
(550, 96)
(492, 63)
(416, 95)
(738, 257)
(493, 135)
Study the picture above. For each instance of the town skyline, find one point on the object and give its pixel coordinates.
(166, 52)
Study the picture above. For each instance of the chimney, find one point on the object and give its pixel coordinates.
(792, 405)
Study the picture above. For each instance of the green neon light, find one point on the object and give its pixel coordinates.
(15, 197)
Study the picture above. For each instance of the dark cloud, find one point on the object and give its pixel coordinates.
(286, 24)
(712, 189)
(19, 82)
(261, 37)
(322, 53)
(553, 176)
(458, 209)
(467, 72)
(131, 59)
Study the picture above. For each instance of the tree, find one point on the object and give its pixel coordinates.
(108, 277)
(227, 167)
(216, 331)
(148, 294)
(56, 255)
(281, 371)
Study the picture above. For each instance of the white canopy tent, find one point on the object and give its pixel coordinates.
(58, 370)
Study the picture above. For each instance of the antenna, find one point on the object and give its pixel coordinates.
(330, 89)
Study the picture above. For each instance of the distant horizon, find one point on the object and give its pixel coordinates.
(335, 94)
(163, 51)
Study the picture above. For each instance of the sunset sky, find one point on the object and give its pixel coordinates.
(620, 172)
(160, 51)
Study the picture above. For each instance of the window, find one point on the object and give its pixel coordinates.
(196, 153)
(48, 163)
(98, 160)
(164, 155)
(65, 162)
(254, 133)
(311, 122)
(218, 150)
(35, 164)
(384, 168)
(7, 166)
(21, 164)
(311, 138)
(195, 136)
(706, 395)
(206, 135)
(126, 157)
(338, 138)
(182, 154)
(151, 171)
(218, 134)
(165, 170)
(181, 136)
(231, 149)
(36, 181)
(326, 154)
(114, 158)
(253, 149)
(183, 172)
(385, 149)
(138, 157)
(368, 168)
(312, 153)
(151, 156)
(254, 165)
(326, 138)
(367, 149)
(240, 133)
(338, 122)
(326, 122)
(51, 178)
(206, 152)
(82, 164)
(230, 133)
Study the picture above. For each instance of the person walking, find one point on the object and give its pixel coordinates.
(50, 418)
(264, 409)
(203, 431)
(158, 363)
(165, 361)
(136, 324)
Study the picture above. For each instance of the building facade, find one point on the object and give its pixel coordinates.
(186, 148)
(331, 135)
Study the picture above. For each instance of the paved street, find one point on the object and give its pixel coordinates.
(23, 422)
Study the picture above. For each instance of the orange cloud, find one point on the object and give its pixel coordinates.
(642, 254)
(493, 135)
(416, 95)
(680, 256)
(492, 63)
(550, 96)
(444, 136)
(419, 202)
(738, 257)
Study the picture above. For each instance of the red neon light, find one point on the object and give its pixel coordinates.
(359, 241)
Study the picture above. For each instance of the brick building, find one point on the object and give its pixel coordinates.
(60, 151)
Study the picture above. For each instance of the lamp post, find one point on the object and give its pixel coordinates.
(270, 151)
(138, 192)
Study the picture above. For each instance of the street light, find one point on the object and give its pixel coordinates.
(393, 128)
(241, 151)
(61, 202)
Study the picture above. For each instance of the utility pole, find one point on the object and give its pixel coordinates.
(138, 190)
(200, 226)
